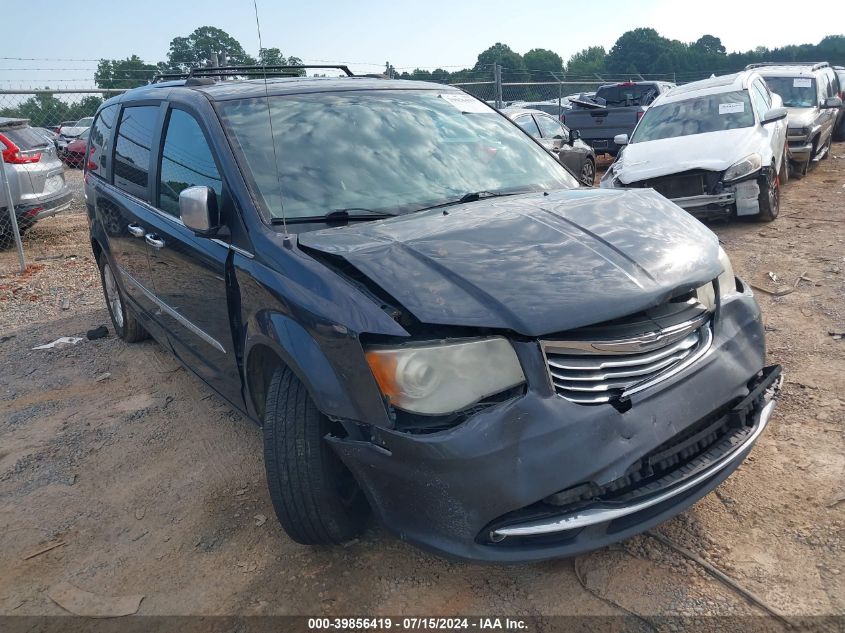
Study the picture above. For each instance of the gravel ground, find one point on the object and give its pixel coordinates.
(156, 487)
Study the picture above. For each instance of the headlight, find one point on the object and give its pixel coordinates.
(436, 379)
(706, 294)
(744, 167)
(727, 280)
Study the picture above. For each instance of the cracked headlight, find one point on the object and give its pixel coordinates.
(440, 378)
(744, 167)
(706, 294)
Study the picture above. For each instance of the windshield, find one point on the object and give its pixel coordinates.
(86, 122)
(711, 113)
(377, 150)
(796, 92)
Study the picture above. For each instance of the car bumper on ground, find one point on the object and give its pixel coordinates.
(480, 491)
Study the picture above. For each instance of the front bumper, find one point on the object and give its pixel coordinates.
(799, 149)
(458, 492)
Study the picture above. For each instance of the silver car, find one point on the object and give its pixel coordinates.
(36, 177)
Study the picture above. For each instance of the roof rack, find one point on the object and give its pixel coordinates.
(811, 65)
(249, 71)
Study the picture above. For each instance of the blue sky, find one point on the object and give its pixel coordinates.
(366, 33)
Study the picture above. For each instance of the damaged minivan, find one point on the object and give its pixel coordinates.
(715, 147)
(429, 318)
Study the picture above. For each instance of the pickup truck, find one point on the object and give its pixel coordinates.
(615, 109)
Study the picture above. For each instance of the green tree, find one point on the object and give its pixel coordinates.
(543, 64)
(202, 47)
(124, 73)
(587, 63)
(639, 50)
(513, 66)
(709, 45)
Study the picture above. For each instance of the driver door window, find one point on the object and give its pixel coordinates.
(186, 161)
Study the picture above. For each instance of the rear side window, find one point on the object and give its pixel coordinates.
(527, 124)
(186, 161)
(100, 135)
(132, 150)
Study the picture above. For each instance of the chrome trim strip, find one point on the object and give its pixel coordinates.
(593, 516)
(646, 342)
(232, 247)
(166, 308)
(703, 351)
(599, 364)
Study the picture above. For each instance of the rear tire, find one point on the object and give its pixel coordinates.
(769, 198)
(784, 166)
(316, 498)
(126, 326)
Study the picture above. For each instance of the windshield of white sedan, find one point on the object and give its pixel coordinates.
(381, 151)
(711, 113)
(796, 92)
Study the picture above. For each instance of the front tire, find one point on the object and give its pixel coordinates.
(126, 326)
(769, 198)
(316, 498)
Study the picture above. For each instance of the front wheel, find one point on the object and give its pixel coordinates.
(316, 498)
(588, 172)
(769, 198)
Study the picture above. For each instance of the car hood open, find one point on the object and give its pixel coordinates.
(535, 263)
(715, 151)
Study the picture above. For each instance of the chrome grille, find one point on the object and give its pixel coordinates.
(601, 369)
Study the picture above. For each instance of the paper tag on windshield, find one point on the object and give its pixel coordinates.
(731, 108)
(465, 103)
(802, 82)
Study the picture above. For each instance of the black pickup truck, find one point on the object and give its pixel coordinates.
(615, 109)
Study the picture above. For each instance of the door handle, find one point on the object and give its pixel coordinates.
(153, 240)
(135, 230)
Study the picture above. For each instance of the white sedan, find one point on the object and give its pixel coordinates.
(715, 147)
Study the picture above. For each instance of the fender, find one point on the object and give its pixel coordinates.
(329, 382)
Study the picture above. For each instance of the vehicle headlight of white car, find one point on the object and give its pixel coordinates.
(727, 284)
(440, 378)
(743, 168)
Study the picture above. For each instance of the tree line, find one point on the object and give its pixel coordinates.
(641, 52)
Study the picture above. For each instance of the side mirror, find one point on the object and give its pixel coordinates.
(775, 114)
(832, 102)
(621, 139)
(198, 208)
(574, 135)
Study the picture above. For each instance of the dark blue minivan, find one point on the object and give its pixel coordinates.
(429, 318)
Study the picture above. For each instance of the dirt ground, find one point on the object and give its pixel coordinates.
(155, 487)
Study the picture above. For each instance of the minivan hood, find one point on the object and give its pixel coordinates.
(534, 263)
(714, 151)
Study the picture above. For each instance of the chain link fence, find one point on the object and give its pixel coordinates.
(51, 108)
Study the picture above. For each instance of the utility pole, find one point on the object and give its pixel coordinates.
(497, 80)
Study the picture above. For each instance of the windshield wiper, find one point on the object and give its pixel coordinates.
(338, 215)
(473, 196)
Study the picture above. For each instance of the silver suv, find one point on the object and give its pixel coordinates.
(36, 177)
(810, 92)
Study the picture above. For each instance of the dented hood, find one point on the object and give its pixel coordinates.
(715, 151)
(534, 264)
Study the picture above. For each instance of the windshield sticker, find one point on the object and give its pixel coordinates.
(802, 82)
(731, 108)
(465, 103)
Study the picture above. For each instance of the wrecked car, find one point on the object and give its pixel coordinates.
(715, 147)
(810, 92)
(432, 322)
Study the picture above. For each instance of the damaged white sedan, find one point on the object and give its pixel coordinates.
(715, 147)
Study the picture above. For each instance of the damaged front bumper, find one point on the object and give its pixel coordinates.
(499, 487)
